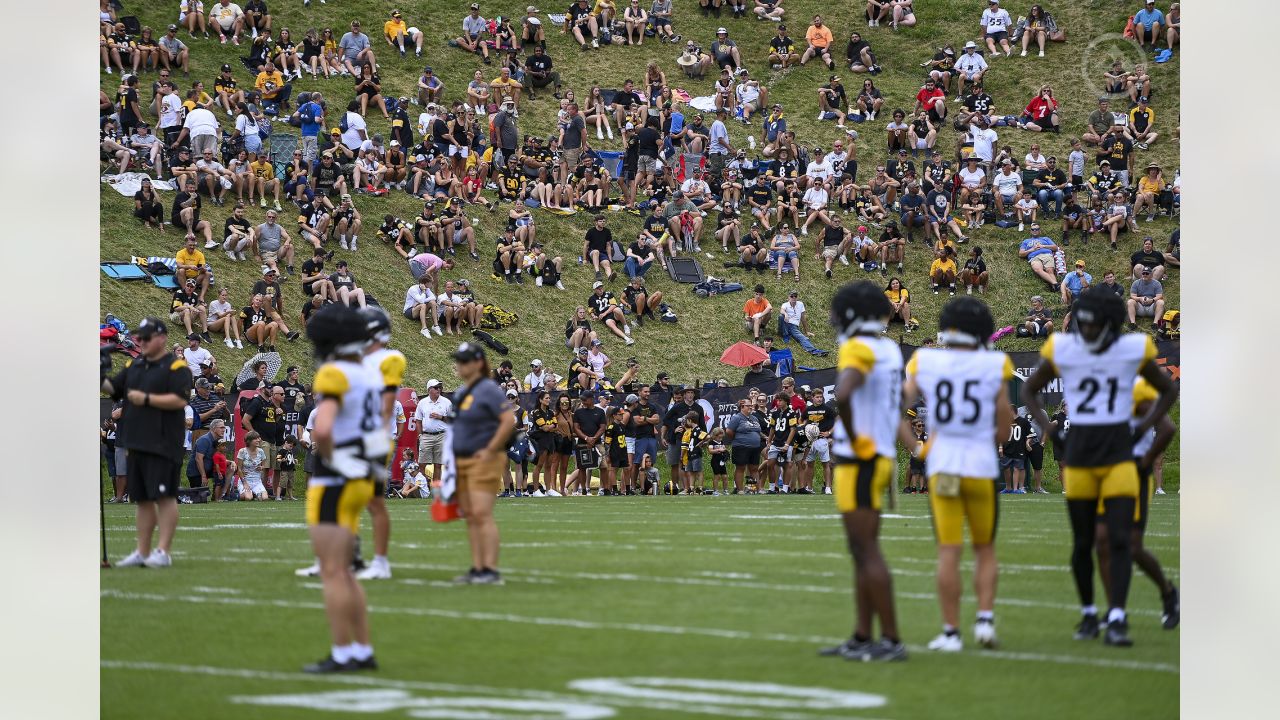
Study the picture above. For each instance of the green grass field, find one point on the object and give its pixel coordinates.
(689, 349)
(628, 608)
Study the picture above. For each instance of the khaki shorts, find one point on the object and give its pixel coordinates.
(268, 256)
(830, 251)
(270, 450)
(1044, 261)
(430, 449)
(571, 157)
(481, 476)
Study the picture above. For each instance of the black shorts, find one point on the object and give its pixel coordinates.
(564, 445)
(915, 468)
(719, 465)
(745, 455)
(152, 477)
(998, 36)
(194, 481)
(618, 457)
(379, 488)
(544, 442)
(1036, 457)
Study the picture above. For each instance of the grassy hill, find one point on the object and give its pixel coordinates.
(689, 349)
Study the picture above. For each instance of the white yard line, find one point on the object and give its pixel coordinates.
(723, 633)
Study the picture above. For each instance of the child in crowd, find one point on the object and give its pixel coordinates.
(692, 440)
(287, 465)
(719, 462)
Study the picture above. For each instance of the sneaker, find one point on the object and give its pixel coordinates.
(1041, 53)
(134, 559)
(1088, 628)
(312, 571)
(1160, 491)
(231, 256)
(947, 642)
(240, 255)
(537, 493)
(1024, 53)
(467, 578)
(375, 571)
(1020, 226)
(210, 244)
(984, 633)
(1118, 634)
(228, 343)
(538, 281)
(850, 649)
(343, 244)
(1172, 611)
(844, 260)
(369, 663)
(886, 650)
(437, 330)
(329, 665)
(826, 490)
(158, 559)
(487, 577)
(1042, 491)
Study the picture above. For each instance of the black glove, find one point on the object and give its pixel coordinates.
(104, 361)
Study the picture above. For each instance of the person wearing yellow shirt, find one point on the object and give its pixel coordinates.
(504, 87)
(819, 38)
(396, 32)
(271, 86)
(900, 302)
(943, 270)
(1141, 127)
(1150, 186)
(191, 265)
(262, 177)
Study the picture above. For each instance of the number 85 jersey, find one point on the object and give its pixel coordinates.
(1098, 387)
(357, 388)
(960, 388)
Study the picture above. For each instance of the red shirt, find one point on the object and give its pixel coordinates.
(1039, 108)
(797, 403)
(926, 98)
(220, 464)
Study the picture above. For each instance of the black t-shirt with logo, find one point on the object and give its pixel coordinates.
(589, 420)
(271, 290)
(266, 419)
(252, 317)
(643, 411)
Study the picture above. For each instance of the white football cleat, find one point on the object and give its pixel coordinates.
(312, 571)
(158, 559)
(984, 633)
(947, 643)
(375, 571)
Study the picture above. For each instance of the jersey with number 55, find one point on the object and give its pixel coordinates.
(960, 388)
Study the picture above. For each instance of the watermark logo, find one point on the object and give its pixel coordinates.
(1101, 53)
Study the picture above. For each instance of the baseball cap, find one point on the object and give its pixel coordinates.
(631, 398)
(862, 228)
(266, 270)
(721, 30)
(536, 363)
(173, 28)
(512, 393)
(793, 293)
(194, 336)
(150, 326)
(970, 44)
(597, 284)
(468, 352)
(434, 383)
(1142, 98)
(582, 351)
(203, 383)
(342, 263)
(1105, 162)
(1080, 263)
(597, 342)
(663, 375)
(226, 67)
(1146, 271)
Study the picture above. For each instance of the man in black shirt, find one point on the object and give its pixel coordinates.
(154, 388)
(672, 423)
(315, 281)
(824, 414)
(269, 288)
(596, 247)
(648, 142)
(602, 307)
(644, 421)
(936, 172)
(1013, 457)
(539, 73)
(265, 414)
(588, 427)
(976, 103)
(1149, 258)
(1051, 183)
(295, 401)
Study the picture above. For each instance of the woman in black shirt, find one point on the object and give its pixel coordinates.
(369, 90)
(147, 207)
(974, 274)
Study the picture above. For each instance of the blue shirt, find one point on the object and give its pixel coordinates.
(206, 447)
(1031, 242)
(746, 430)
(1147, 19)
(1074, 283)
(677, 122)
(773, 127)
(311, 115)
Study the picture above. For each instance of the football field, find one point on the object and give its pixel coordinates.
(689, 607)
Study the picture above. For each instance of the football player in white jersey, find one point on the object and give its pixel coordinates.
(868, 395)
(1098, 364)
(346, 439)
(390, 366)
(1146, 448)
(965, 387)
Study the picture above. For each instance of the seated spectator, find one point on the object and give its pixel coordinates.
(640, 300)
(996, 24)
(1038, 250)
(1074, 283)
(1173, 253)
(344, 283)
(724, 52)
(1039, 321)
(1148, 25)
(195, 356)
(1005, 187)
(1173, 25)
(1038, 27)
(420, 305)
(603, 308)
(147, 206)
(581, 24)
(769, 10)
(539, 70)
(1041, 114)
(227, 19)
(943, 270)
(271, 244)
(974, 273)
(187, 307)
(259, 328)
(191, 266)
(793, 322)
(818, 39)
(1117, 217)
(757, 312)
(577, 331)
(1109, 282)
(857, 53)
(544, 268)
(396, 33)
(272, 87)
(891, 247)
(900, 300)
(640, 256)
(784, 247)
(1148, 258)
(1150, 186)
(269, 288)
(354, 49)
(224, 319)
(1025, 208)
(1074, 217)
(1051, 183)
(1146, 299)
(1141, 126)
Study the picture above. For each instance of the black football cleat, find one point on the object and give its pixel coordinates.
(1088, 628)
(369, 663)
(1172, 612)
(1118, 634)
(329, 665)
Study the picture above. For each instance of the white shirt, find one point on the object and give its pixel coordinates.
(792, 312)
(748, 93)
(426, 406)
(189, 416)
(170, 106)
(247, 125)
(417, 295)
(1007, 183)
(195, 358)
(538, 381)
(971, 63)
(306, 429)
(226, 14)
(997, 20)
(201, 121)
(1034, 162)
(983, 141)
(972, 179)
(819, 169)
(218, 308)
(1076, 162)
(836, 160)
(352, 138)
(597, 360)
(816, 197)
(424, 123)
(694, 186)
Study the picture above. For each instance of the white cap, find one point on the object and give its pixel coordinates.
(970, 44)
(433, 383)
(512, 393)
(721, 30)
(597, 284)
(536, 363)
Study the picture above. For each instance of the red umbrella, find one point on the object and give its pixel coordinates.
(743, 354)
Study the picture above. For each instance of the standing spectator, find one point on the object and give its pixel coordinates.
(356, 50)
(1148, 23)
(430, 416)
(311, 115)
(1146, 299)
(996, 24)
(155, 389)
(793, 322)
(483, 424)
(264, 415)
(757, 312)
(745, 434)
(1075, 283)
(202, 127)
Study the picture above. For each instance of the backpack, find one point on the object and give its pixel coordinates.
(1168, 325)
(495, 318)
(159, 268)
(714, 286)
(342, 124)
(497, 345)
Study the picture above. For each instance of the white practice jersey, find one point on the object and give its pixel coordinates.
(960, 388)
(876, 406)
